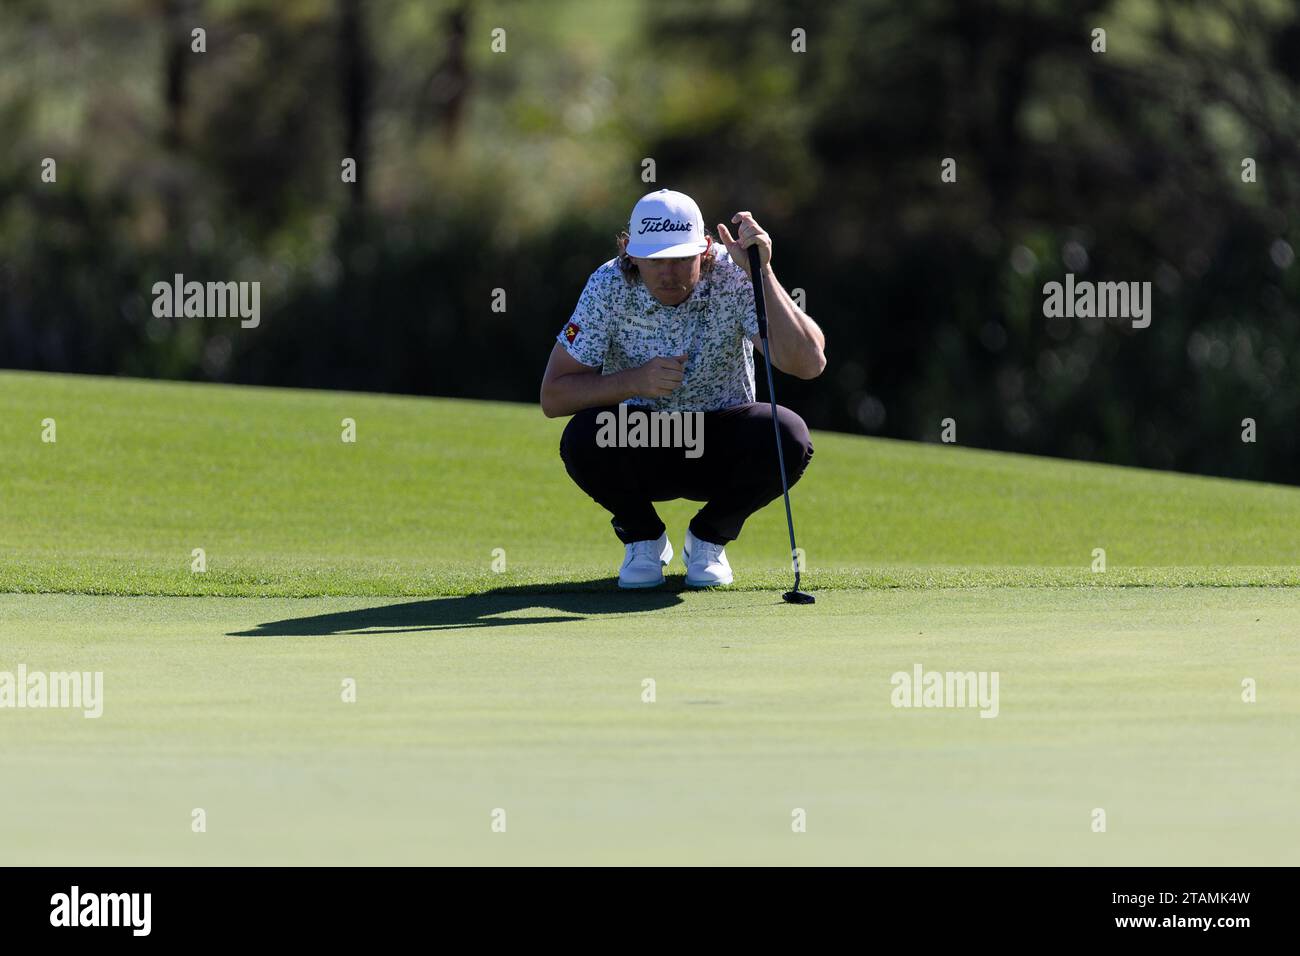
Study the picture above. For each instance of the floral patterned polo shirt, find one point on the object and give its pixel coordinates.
(618, 326)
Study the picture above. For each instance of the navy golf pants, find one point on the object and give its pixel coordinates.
(735, 476)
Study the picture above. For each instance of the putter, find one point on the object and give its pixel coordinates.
(760, 308)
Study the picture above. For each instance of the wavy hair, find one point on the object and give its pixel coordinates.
(632, 274)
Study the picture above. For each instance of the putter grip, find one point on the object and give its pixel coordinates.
(760, 307)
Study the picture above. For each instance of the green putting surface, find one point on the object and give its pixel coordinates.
(1128, 700)
(522, 689)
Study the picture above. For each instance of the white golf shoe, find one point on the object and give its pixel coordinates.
(643, 564)
(706, 563)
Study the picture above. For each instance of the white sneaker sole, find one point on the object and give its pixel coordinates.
(710, 584)
(644, 584)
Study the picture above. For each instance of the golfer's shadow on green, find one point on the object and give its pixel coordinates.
(473, 610)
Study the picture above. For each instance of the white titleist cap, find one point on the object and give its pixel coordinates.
(666, 225)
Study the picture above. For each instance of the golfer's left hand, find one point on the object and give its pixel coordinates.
(749, 234)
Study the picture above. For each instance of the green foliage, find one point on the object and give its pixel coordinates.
(483, 171)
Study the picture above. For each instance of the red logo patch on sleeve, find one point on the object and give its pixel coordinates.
(571, 332)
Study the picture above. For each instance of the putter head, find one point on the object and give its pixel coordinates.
(798, 597)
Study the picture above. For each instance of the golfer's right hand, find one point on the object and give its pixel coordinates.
(659, 377)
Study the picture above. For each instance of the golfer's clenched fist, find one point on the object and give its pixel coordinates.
(659, 377)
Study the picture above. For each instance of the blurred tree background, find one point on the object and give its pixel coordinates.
(480, 170)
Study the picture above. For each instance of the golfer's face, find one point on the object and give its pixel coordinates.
(669, 280)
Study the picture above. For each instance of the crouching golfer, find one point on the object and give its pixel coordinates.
(665, 327)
